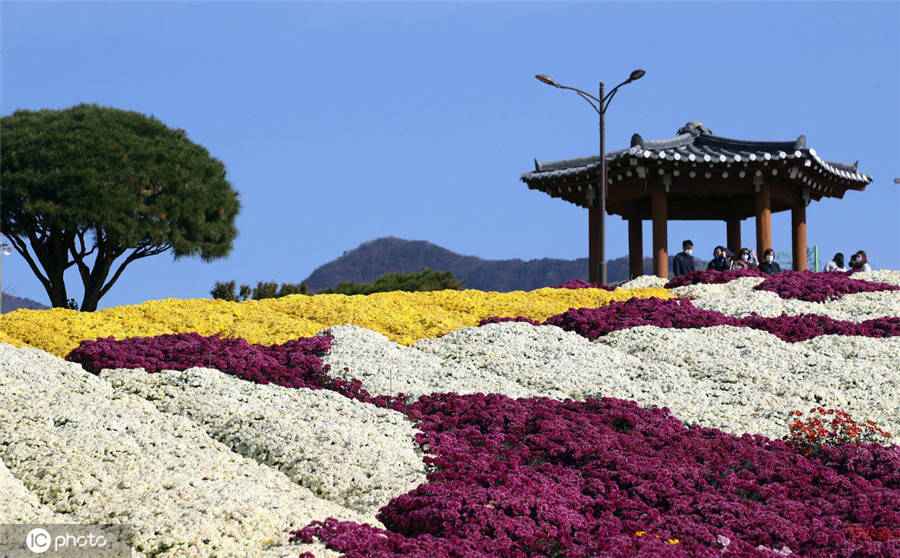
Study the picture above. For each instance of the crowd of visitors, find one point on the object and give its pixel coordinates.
(723, 260)
(858, 261)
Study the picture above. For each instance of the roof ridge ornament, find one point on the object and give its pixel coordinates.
(637, 140)
(801, 142)
(694, 128)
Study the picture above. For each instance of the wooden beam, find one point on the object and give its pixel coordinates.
(798, 236)
(660, 238)
(785, 195)
(635, 248)
(733, 234)
(686, 186)
(763, 215)
(688, 209)
(623, 192)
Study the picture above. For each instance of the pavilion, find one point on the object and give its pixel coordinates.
(699, 176)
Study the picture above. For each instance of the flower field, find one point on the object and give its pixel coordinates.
(721, 414)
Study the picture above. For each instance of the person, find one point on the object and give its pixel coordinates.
(683, 262)
(836, 263)
(860, 262)
(719, 261)
(769, 265)
(745, 260)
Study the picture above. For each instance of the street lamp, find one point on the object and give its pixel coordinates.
(600, 105)
(5, 250)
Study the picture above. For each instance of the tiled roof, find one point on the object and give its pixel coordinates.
(695, 143)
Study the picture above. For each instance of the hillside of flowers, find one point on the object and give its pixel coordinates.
(728, 414)
(402, 316)
(680, 313)
(800, 285)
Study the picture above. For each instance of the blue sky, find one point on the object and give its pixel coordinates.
(342, 122)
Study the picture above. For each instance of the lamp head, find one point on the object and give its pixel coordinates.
(637, 74)
(6, 249)
(546, 79)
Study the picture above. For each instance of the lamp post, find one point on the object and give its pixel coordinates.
(600, 105)
(5, 251)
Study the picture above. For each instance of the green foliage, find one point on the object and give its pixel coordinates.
(226, 291)
(99, 181)
(425, 280)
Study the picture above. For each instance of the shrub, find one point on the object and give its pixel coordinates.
(831, 427)
(425, 280)
(263, 289)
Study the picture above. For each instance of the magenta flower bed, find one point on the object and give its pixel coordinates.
(498, 320)
(537, 477)
(802, 285)
(582, 284)
(295, 364)
(678, 313)
(818, 287)
(807, 326)
(712, 276)
(681, 313)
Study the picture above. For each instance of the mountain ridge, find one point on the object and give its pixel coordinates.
(11, 303)
(374, 258)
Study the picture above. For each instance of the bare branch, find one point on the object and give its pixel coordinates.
(80, 234)
(38, 246)
(136, 255)
(22, 249)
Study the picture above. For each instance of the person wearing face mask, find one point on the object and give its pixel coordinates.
(769, 265)
(744, 260)
(683, 262)
(859, 262)
(720, 260)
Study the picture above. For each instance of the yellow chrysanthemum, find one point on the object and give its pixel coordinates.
(402, 316)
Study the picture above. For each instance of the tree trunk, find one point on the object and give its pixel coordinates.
(107, 252)
(57, 291)
(92, 294)
(55, 255)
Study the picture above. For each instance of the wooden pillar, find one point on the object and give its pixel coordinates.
(594, 242)
(733, 234)
(659, 213)
(635, 247)
(798, 236)
(763, 215)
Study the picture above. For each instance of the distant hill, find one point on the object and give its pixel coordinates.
(11, 303)
(372, 259)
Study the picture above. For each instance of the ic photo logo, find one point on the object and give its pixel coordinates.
(38, 540)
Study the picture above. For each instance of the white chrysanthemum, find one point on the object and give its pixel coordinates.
(351, 453)
(739, 298)
(100, 455)
(880, 276)
(644, 282)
